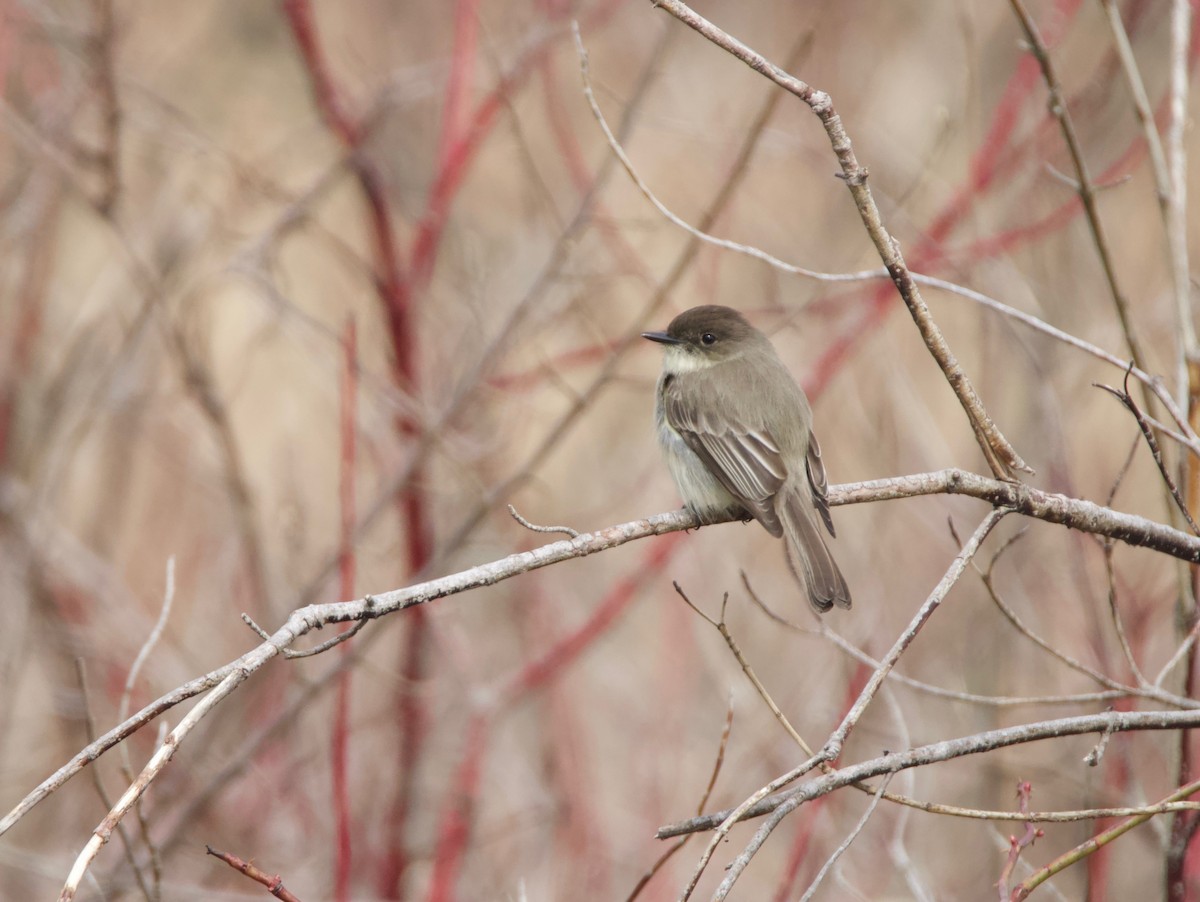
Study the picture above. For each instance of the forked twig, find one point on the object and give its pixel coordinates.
(1126, 399)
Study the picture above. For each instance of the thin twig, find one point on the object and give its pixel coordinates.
(833, 745)
(1180, 653)
(1017, 844)
(89, 724)
(1093, 758)
(1087, 191)
(565, 530)
(291, 654)
(123, 711)
(1141, 101)
(1118, 622)
(1124, 397)
(273, 882)
(1176, 201)
(845, 844)
(723, 628)
(151, 641)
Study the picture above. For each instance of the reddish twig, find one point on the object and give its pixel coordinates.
(1092, 845)
(462, 73)
(455, 827)
(540, 671)
(273, 883)
(394, 289)
(1016, 845)
(329, 100)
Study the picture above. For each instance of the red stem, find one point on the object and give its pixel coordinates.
(328, 98)
(537, 673)
(462, 73)
(455, 828)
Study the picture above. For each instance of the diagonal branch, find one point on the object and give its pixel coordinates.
(948, 750)
(1083, 180)
(1002, 458)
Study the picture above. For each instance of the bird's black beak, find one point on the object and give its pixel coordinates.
(662, 338)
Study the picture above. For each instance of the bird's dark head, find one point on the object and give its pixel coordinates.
(703, 336)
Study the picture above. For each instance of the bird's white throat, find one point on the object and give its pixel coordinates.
(678, 359)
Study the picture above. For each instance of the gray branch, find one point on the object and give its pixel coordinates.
(1105, 723)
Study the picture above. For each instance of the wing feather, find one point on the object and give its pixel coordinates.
(744, 459)
(819, 482)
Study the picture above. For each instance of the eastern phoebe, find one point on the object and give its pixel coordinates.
(736, 431)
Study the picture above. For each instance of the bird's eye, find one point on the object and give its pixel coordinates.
(708, 338)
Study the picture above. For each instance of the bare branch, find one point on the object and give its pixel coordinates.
(1053, 508)
(949, 749)
(1001, 456)
(151, 641)
(1074, 513)
(833, 745)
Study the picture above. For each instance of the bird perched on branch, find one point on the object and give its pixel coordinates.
(736, 431)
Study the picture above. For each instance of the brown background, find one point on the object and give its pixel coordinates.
(173, 293)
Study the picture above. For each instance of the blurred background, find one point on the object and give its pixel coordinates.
(301, 296)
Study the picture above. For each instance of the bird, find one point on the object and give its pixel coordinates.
(736, 432)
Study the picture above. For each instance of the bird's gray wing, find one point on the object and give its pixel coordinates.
(819, 482)
(744, 459)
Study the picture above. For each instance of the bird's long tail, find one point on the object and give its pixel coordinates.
(807, 554)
